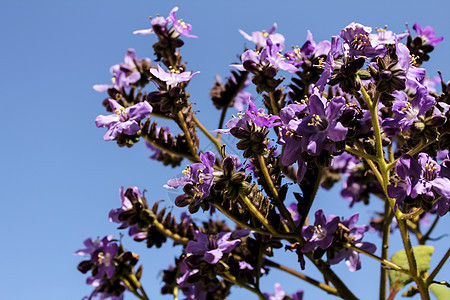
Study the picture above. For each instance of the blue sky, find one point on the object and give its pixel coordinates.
(59, 179)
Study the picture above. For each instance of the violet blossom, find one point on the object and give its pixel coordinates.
(356, 233)
(427, 34)
(279, 294)
(251, 115)
(212, 247)
(260, 37)
(123, 120)
(124, 74)
(270, 55)
(358, 42)
(179, 26)
(408, 111)
(172, 77)
(421, 177)
(414, 76)
(322, 124)
(328, 64)
(199, 174)
(386, 37)
(321, 234)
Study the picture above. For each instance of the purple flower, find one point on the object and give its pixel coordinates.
(124, 74)
(180, 26)
(159, 24)
(322, 124)
(356, 232)
(199, 174)
(414, 76)
(124, 120)
(328, 65)
(211, 247)
(421, 177)
(126, 205)
(321, 234)
(386, 37)
(260, 37)
(173, 76)
(243, 97)
(270, 55)
(358, 42)
(408, 111)
(252, 115)
(279, 294)
(102, 254)
(297, 55)
(427, 34)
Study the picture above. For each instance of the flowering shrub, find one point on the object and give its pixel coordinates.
(358, 106)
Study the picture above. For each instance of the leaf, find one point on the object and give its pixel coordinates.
(422, 253)
(440, 291)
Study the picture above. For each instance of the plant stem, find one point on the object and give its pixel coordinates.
(414, 272)
(273, 104)
(185, 129)
(385, 248)
(165, 231)
(139, 285)
(131, 288)
(284, 212)
(235, 220)
(168, 150)
(323, 286)
(202, 128)
(359, 153)
(258, 214)
(438, 268)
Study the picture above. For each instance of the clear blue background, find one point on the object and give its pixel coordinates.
(59, 179)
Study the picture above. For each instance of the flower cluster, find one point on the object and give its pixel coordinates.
(358, 106)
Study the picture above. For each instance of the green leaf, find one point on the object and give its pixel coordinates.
(422, 253)
(440, 291)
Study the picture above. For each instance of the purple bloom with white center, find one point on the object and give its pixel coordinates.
(124, 74)
(421, 177)
(102, 254)
(260, 37)
(328, 65)
(212, 247)
(432, 179)
(322, 124)
(414, 76)
(427, 34)
(172, 77)
(279, 294)
(297, 55)
(180, 26)
(321, 234)
(358, 42)
(252, 115)
(123, 120)
(352, 258)
(408, 111)
(199, 174)
(386, 37)
(159, 24)
(270, 55)
(126, 205)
